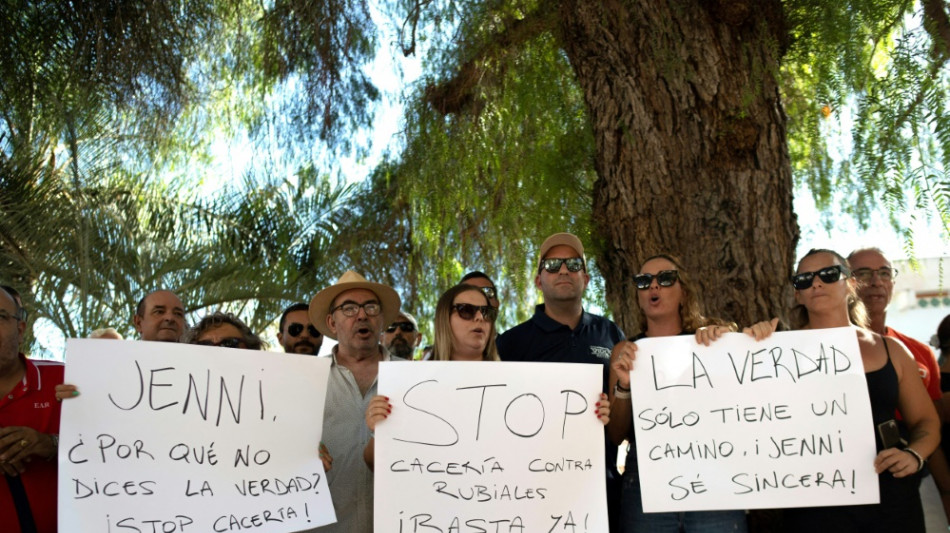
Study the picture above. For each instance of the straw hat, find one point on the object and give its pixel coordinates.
(320, 304)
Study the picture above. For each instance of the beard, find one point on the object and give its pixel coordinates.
(310, 348)
(400, 347)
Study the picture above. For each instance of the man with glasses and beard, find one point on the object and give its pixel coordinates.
(562, 332)
(297, 334)
(402, 337)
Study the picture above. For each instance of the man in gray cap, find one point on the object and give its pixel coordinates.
(353, 312)
(562, 332)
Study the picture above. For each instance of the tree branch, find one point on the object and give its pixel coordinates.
(456, 95)
(937, 25)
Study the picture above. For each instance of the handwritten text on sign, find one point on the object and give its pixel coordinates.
(169, 438)
(785, 422)
(501, 447)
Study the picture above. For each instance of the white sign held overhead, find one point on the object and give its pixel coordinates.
(481, 446)
(173, 438)
(785, 422)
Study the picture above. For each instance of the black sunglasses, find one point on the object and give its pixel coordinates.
(467, 311)
(296, 329)
(830, 274)
(227, 342)
(664, 278)
(553, 265)
(406, 327)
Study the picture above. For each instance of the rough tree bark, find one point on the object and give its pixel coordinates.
(690, 146)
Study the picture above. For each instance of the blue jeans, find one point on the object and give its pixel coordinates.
(636, 521)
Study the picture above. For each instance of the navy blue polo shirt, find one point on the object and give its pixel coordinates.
(544, 339)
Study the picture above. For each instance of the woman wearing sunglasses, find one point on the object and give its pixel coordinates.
(464, 331)
(825, 297)
(465, 326)
(669, 304)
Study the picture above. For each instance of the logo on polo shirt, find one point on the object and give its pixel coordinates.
(600, 352)
(37, 405)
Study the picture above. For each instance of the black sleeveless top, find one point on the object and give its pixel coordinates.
(883, 389)
(900, 508)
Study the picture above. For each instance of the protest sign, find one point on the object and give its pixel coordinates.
(172, 438)
(740, 424)
(480, 446)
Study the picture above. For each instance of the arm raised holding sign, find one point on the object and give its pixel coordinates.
(464, 331)
(669, 305)
(825, 297)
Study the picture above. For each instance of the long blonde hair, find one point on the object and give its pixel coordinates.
(442, 346)
(857, 313)
(690, 309)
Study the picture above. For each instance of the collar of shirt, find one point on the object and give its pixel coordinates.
(382, 352)
(31, 380)
(548, 324)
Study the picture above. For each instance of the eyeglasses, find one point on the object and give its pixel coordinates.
(467, 311)
(296, 329)
(664, 278)
(406, 327)
(553, 265)
(351, 309)
(490, 292)
(227, 342)
(865, 274)
(826, 275)
(6, 317)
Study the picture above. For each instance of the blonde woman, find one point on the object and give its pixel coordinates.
(464, 331)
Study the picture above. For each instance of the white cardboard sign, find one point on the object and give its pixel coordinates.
(740, 424)
(480, 446)
(172, 438)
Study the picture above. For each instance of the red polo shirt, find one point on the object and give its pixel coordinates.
(33, 403)
(926, 362)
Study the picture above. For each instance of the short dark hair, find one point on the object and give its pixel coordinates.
(140, 307)
(20, 312)
(251, 340)
(476, 274)
(299, 306)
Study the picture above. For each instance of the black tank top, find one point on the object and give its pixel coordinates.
(883, 389)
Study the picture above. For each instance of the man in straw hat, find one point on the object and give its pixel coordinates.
(353, 311)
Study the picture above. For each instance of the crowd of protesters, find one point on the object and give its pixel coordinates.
(366, 321)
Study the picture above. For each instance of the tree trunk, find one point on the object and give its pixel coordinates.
(690, 147)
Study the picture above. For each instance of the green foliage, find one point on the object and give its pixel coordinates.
(84, 256)
(110, 111)
(876, 66)
(480, 191)
(109, 115)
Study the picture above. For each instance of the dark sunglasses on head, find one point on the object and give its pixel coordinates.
(664, 278)
(553, 265)
(227, 342)
(296, 329)
(830, 274)
(406, 327)
(467, 311)
(489, 292)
